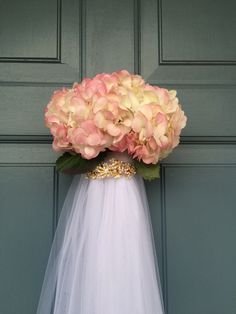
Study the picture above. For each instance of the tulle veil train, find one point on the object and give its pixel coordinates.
(103, 258)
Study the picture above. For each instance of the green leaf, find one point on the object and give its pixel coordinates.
(75, 164)
(147, 171)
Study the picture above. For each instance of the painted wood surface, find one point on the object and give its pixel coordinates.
(184, 45)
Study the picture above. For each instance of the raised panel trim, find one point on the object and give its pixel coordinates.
(202, 154)
(163, 238)
(163, 218)
(137, 36)
(43, 60)
(64, 69)
(55, 210)
(218, 75)
(55, 200)
(47, 139)
(161, 59)
(55, 196)
(28, 153)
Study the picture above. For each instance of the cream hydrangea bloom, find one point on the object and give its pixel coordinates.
(116, 111)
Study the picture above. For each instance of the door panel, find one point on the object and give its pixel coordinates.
(29, 18)
(184, 45)
(40, 42)
(191, 31)
(198, 228)
(199, 225)
(26, 220)
(179, 45)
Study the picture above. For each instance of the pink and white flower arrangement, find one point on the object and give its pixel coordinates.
(116, 112)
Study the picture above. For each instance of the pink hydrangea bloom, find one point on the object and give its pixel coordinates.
(116, 111)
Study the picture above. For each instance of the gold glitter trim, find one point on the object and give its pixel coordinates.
(112, 168)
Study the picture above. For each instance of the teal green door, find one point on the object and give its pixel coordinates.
(185, 45)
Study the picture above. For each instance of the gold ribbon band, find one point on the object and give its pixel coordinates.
(112, 168)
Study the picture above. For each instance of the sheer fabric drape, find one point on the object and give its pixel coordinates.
(103, 258)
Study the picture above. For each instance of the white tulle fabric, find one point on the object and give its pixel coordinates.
(103, 258)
